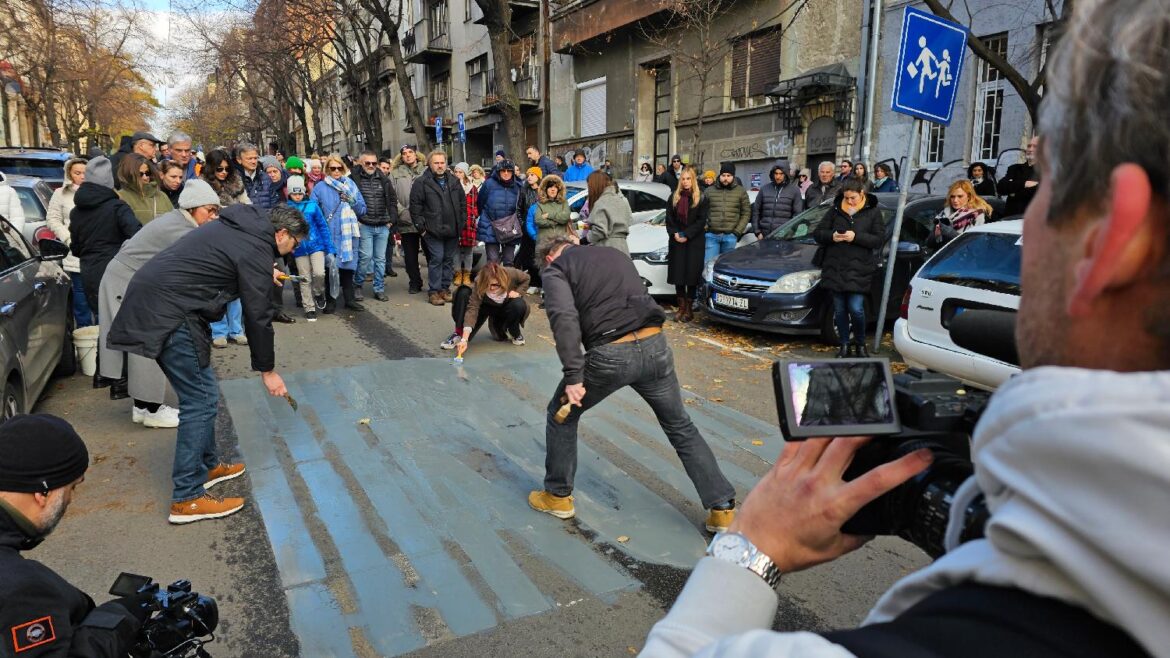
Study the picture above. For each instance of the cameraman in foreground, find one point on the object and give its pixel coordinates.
(1073, 455)
(42, 460)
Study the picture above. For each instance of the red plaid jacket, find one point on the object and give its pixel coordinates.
(467, 234)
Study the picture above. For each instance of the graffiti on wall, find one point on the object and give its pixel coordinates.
(777, 146)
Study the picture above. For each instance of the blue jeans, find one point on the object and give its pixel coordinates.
(372, 252)
(849, 310)
(718, 243)
(647, 366)
(198, 394)
(82, 315)
(232, 323)
(440, 261)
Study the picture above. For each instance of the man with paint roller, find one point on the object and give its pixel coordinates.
(594, 297)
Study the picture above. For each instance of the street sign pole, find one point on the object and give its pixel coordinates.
(462, 134)
(907, 178)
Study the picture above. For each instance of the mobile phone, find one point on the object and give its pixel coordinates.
(842, 231)
(837, 397)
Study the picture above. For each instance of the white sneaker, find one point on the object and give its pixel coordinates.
(519, 340)
(165, 418)
(137, 414)
(451, 342)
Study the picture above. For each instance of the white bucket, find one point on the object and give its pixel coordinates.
(85, 343)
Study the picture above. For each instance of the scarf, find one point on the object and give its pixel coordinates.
(229, 190)
(498, 297)
(345, 215)
(683, 207)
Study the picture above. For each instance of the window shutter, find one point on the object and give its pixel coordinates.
(765, 62)
(739, 64)
(593, 109)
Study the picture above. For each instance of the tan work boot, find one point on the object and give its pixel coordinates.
(446, 295)
(435, 299)
(207, 506)
(223, 473)
(718, 520)
(543, 501)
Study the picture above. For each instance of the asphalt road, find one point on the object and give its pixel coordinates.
(373, 364)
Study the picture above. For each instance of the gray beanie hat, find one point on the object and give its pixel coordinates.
(295, 185)
(99, 172)
(269, 161)
(464, 167)
(196, 192)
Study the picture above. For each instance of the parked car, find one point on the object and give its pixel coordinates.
(772, 285)
(47, 164)
(34, 196)
(36, 319)
(979, 269)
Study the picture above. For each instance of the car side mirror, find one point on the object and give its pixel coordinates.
(906, 248)
(52, 249)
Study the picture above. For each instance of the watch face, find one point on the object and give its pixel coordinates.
(731, 546)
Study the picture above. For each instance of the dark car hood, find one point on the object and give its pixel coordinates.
(767, 260)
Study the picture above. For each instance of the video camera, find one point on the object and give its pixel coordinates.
(178, 621)
(905, 412)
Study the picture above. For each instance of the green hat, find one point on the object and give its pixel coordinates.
(294, 163)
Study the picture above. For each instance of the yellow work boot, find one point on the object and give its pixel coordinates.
(718, 520)
(543, 501)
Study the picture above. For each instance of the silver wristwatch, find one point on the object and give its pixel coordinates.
(735, 548)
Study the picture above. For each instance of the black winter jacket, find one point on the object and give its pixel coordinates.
(684, 266)
(441, 213)
(43, 615)
(775, 205)
(98, 225)
(192, 282)
(849, 266)
(593, 296)
(817, 194)
(381, 200)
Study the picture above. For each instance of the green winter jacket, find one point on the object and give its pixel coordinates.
(730, 209)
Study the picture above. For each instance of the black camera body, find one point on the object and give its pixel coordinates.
(179, 618)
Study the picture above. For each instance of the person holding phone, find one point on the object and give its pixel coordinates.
(850, 234)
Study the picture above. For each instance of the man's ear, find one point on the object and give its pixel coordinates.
(1118, 244)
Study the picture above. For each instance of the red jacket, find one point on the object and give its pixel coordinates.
(467, 232)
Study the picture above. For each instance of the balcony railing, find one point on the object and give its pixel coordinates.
(427, 41)
(527, 88)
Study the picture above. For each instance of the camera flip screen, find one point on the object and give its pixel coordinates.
(842, 397)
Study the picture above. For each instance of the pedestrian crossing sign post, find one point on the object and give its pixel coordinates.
(930, 60)
(438, 130)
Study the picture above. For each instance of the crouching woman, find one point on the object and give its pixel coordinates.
(497, 297)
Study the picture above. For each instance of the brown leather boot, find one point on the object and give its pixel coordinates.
(680, 314)
(689, 309)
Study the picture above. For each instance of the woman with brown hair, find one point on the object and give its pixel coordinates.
(171, 178)
(497, 297)
(609, 213)
(964, 209)
(138, 187)
(686, 219)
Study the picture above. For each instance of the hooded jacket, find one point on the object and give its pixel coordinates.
(319, 238)
(10, 207)
(850, 266)
(57, 215)
(402, 178)
(30, 592)
(148, 204)
(497, 200)
(730, 208)
(1070, 520)
(776, 204)
(99, 224)
(578, 172)
(609, 221)
(557, 210)
(192, 282)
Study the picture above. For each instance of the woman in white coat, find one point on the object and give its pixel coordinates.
(57, 219)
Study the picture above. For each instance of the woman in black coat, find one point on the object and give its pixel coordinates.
(686, 221)
(98, 225)
(851, 235)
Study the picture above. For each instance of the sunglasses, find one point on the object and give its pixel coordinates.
(223, 168)
(369, 163)
(144, 174)
(336, 168)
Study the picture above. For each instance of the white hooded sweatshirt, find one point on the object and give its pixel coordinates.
(1075, 465)
(10, 207)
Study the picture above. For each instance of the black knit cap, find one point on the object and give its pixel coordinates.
(727, 167)
(39, 453)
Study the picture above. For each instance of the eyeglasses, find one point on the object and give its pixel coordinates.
(223, 168)
(336, 168)
(212, 211)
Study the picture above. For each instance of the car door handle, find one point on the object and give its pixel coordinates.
(8, 309)
(39, 287)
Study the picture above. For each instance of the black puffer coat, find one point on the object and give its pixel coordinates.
(775, 204)
(849, 266)
(685, 259)
(98, 225)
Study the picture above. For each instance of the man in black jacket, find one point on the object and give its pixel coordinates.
(1020, 182)
(42, 460)
(595, 297)
(165, 315)
(778, 201)
(824, 188)
(438, 209)
(375, 226)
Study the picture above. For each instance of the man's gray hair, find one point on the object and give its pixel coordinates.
(289, 219)
(550, 245)
(244, 147)
(827, 163)
(179, 138)
(1106, 96)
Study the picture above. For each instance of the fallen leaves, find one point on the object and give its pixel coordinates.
(363, 421)
(623, 539)
(757, 442)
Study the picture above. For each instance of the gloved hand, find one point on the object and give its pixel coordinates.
(139, 605)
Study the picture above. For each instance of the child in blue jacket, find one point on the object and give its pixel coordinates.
(311, 251)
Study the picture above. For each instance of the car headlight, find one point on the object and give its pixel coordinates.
(657, 257)
(796, 283)
(709, 270)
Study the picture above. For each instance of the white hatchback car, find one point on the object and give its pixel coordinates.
(979, 269)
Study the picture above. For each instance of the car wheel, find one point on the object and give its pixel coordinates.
(12, 402)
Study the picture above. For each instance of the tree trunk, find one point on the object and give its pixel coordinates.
(497, 16)
(408, 100)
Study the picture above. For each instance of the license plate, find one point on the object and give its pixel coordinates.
(740, 303)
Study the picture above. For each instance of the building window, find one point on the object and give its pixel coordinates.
(440, 93)
(933, 136)
(477, 79)
(755, 68)
(989, 91)
(591, 107)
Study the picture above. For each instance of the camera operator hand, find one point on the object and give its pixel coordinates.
(794, 514)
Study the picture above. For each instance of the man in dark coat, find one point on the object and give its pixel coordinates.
(98, 225)
(778, 201)
(42, 460)
(1019, 184)
(376, 226)
(438, 209)
(256, 182)
(596, 298)
(165, 315)
(547, 166)
(851, 236)
(824, 188)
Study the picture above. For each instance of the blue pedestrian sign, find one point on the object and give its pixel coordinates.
(930, 59)
(462, 128)
(438, 130)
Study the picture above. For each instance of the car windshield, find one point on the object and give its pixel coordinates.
(577, 202)
(659, 219)
(32, 167)
(988, 261)
(801, 227)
